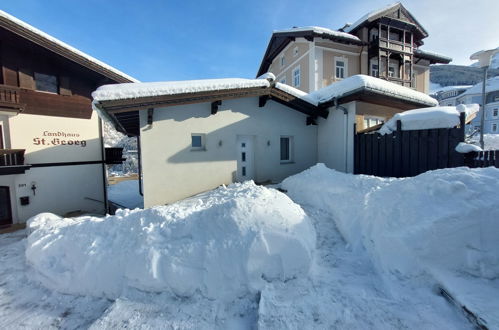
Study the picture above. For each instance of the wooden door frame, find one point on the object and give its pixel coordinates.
(9, 218)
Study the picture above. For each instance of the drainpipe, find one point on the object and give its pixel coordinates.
(345, 112)
(104, 169)
(139, 156)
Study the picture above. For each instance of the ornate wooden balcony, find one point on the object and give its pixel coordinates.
(12, 161)
(10, 98)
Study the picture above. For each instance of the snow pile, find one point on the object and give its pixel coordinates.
(439, 221)
(150, 89)
(360, 82)
(491, 141)
(428, 118)
(225, 245)
(321, 30)
(269, 76)
(464, 148)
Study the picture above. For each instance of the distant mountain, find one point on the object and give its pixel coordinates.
(453, 75)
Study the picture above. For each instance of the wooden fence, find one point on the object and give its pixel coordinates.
(482, 158)
(407, 153)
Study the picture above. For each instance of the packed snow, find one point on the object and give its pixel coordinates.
(439, 228)
(321, 30)
(227, 245)
(428, 118)
(358, 82)
(464, 148)
(125, 194)
(150, 89)
(424, 52)
(40, 34)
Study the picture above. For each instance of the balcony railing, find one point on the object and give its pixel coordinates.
(392, 45)
(9, 97)
(12, 157)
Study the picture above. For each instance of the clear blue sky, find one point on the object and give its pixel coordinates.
(155, 40)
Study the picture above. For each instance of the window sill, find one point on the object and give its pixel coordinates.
(198, 149)
(285, 162)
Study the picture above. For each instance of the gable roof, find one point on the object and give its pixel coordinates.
(281, 38)
(121, 103)
(386, 11)
(45, 40)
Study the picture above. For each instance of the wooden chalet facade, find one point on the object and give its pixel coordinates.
(51, 150)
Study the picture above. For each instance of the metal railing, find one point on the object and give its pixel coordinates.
(11, 157)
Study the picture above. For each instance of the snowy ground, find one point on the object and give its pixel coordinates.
(126, 194)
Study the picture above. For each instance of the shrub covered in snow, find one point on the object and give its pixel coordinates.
(224, 245)
(443, 220)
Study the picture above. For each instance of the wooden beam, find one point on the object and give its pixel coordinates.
(150, 113)
(214, 106)
(262, 100)
(311, 120)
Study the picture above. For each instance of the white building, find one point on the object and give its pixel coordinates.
(197, 135)
(51, 150)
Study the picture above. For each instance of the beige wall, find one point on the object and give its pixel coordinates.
(422, 78)
(59, 189)
(329, 66)
(290, 60)
(172, 171)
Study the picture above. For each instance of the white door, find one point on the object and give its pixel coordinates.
(245, 158)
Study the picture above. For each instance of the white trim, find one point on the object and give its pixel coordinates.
(203, 142)
(292, 64)
(293, 76)
(311, 69)
(319, 74)
(339, 51)
(345, 68)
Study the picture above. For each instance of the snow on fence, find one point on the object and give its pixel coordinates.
(405, 153)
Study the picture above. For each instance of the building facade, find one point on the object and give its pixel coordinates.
(51, 151)
(384, 44)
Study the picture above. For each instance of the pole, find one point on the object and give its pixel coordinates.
(482, 119)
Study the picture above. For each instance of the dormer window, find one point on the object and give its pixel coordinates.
(46, 83)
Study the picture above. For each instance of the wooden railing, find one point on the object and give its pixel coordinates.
(9, 95)
(11, 157)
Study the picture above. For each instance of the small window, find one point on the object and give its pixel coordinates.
(283, 80)
(296, 77)
(340, 67)
(198, 141)
(46, 83)
(391, 71)
(295, 51)
(286, 149)
(283, 61)
(495, 112)
(374, 70)
(494, 128)
(243, 156)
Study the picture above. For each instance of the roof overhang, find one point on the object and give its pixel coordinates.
(432, 57)
(280, 40)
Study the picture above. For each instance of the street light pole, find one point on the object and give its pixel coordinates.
(482, 119)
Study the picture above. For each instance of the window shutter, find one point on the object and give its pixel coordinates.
(64, 88)
(26, 79)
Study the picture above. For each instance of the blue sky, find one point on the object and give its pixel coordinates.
(155, 40)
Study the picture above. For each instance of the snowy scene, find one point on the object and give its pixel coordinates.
(303, 172)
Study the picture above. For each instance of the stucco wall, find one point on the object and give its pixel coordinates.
(422, 73)
(329, 74)
(172, 171)
(335, 138)
(59, 189)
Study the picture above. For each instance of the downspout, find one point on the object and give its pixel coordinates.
(104, 170)
(140, 165)
(345, 112)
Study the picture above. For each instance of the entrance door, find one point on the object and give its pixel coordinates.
(245, 158)
(5, 210)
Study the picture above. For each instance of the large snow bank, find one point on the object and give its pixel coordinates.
(149, 89)
(428, 118)
(227, 244)
(443, 220)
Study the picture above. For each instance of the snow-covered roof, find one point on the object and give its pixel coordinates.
(17, 26)
(491, 85)
(321, 30)
(296, 93)
(429, 118)
(450, 88)
(360, 82)
(370, 15)
(432, 55)
(149, 89)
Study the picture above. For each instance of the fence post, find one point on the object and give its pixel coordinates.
(469, 159)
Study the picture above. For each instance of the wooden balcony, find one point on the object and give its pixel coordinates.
(392, 45)
(114, 156)
(10, 98)
(12, 161)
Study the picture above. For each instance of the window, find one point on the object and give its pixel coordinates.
(286, 149)
(46, 83)
(495, 112)
(391, 71)
(295, 51)
(494, 127)
(340, 68)
(197, 141)
(296, 77)
(374, 70)
(283, 61)
(283, 80)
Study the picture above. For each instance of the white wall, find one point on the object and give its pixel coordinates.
(59, 189)
(172, 171)
(332, 134)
